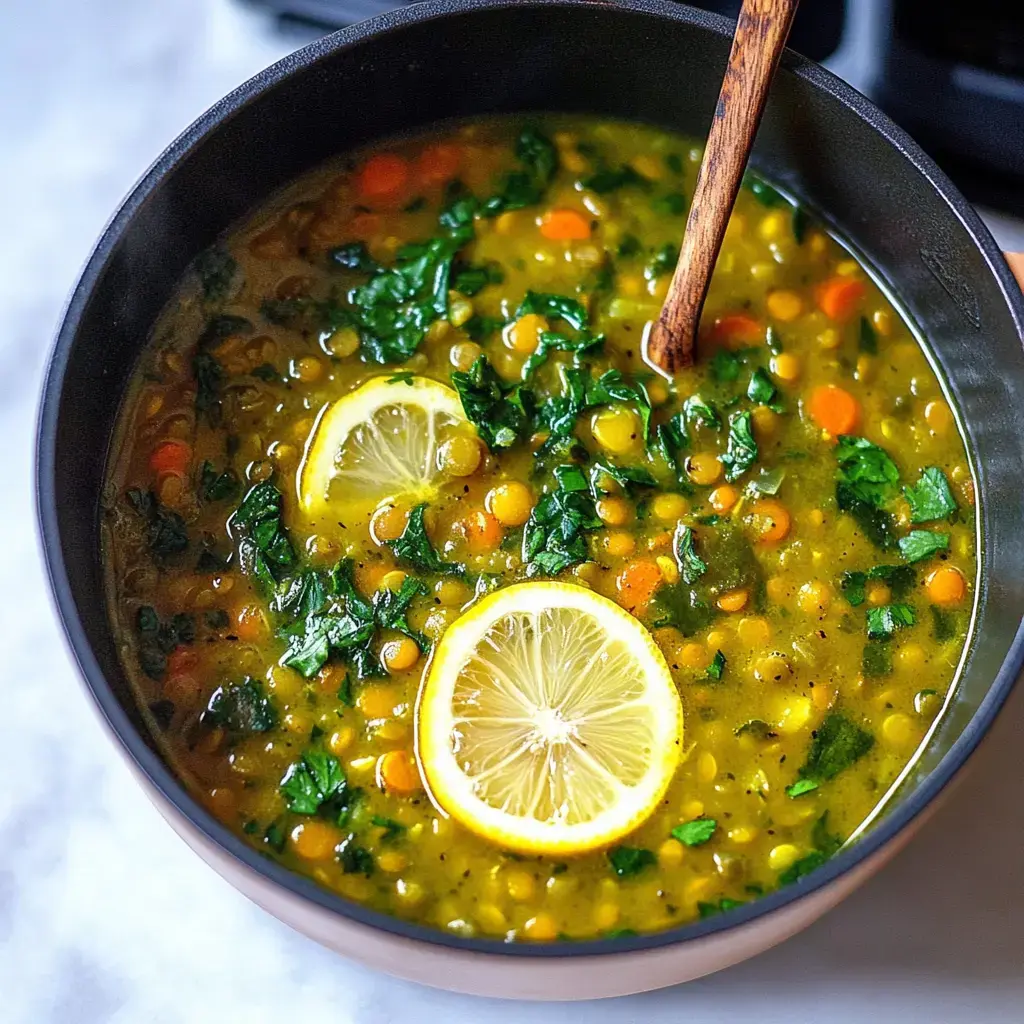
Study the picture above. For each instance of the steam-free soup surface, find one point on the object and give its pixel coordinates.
(792, 519)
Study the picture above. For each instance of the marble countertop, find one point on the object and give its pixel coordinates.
(105, 916)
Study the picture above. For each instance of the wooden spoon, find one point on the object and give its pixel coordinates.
(761, 33)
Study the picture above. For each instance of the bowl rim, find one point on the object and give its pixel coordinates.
(158, 772)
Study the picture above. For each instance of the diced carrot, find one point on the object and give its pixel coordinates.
(770, 519)
(171, 458)
(834, 409)
(945, 585)
(383, 177)
(839, 297)
(733, 601)
(637, 583)
(397, 773)
(181, 659)
(565, 226)
(438, 164)
(736, 329)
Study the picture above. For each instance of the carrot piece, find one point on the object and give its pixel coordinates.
(736, 328)
(383, 176)
(839, 297)
(438, 164)
(733, 601)
(397, 773)
(637, 583)
(945, 585)
(834, 409)
(180, 660)
(770, 520)
(565, 226)
(171, 458)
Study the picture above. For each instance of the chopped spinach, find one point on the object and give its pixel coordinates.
(761, 389)
(629, 246)
(554, 535)
(554, 307)
(264, 550)
(838, 743)
(691, 565)
(241, 708)
(166, 532)
(696, 832)
(627, 861)
(501, 414)
(717, 667)
(355, 859)
(550, 341)
(921, 544)
(801, 788)
(392, 829)
(709, 909)
(414, 547)
(479, 328)
(611, 179)
(697, 410)
(471, 279)
(742, 451)
(930, 498)
(886, 619)
(944, 624)
(315, 784)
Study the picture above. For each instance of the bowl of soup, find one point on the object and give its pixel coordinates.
(430, 614)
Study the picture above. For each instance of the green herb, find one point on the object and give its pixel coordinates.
(757, 728)
(673, 204)
(627, 861)
(670, 441)
(214, 486)
(539, 159)
(611, 179)
(761, 389)
(629, 478)
(866, 470)
(209, 377)
(708, 909)
(554, 535)
(501, 414)
(696, 832)
(886, 619)
(930, 498)
(628, 247)
(392, 828)
(275, 837)
(878, 526)
(479, 328)
(800, 788)
(612, 386)
(696, 410)
(826, 846)
(157, 639)
(742, 451)
(216, 268)
(550, 341)
(899, 579)
(799, 222)
(241, 708)
(838, 743)
(944, 624)
(717, 667)
(345, 694)
(691, 565)
(763, 192)
(354, 256)
(725, 366)
(876, 660)
(471, 279)
(166, 533)
(414, 547)
(355, 859)
(867, 339)
(554, 307)
(662, 262)
(316, 784)
(264, 550)
(921, 544)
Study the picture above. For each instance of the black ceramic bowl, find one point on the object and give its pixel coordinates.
(638, 59)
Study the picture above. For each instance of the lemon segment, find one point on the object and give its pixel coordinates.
(549, 722)
(379, 442)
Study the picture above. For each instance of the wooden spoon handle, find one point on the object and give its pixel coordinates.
(756, 48)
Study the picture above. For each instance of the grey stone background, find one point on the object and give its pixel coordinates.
(105, 916)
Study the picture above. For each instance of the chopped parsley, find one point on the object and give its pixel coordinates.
(502, 414)
(414, 547)
(838, 743)
(930, 498)
(717, 667)
(921, 544)
(886, 619)
(627, 861)
(696, 832)
(264, 549)
(554, 537)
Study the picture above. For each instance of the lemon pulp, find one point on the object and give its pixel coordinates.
(549, 721)
(379, 442)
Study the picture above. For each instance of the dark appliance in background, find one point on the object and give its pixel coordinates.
(950, 71)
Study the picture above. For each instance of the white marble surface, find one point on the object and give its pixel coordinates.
(104, 914)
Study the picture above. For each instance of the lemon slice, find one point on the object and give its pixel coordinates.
(379, 442)
(549, 722)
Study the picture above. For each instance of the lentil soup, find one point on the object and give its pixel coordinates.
(416, 380)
